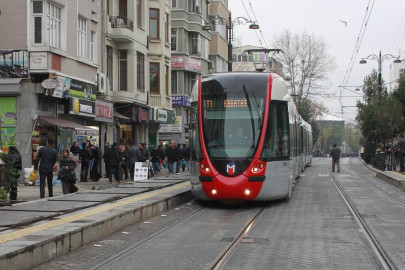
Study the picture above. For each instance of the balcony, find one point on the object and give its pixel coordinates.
(122, 22)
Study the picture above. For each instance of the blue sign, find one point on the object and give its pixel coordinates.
(180, 101)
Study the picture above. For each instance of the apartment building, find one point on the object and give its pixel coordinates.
(397, 71)
(49, 60)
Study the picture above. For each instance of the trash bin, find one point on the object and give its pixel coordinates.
(2, 177)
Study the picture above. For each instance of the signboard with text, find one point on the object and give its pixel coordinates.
(38, 60)
(104, 112)
(81, 107)
(180, 101)
(172, 128)
(186, 63)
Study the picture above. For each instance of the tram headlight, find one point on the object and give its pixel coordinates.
(207, 170)
(214, 192)
(247, 192)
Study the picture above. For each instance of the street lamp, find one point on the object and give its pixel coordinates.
(380, 59)
(229, 27)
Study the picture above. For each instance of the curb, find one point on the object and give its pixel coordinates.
(393, 180)
(37, 248)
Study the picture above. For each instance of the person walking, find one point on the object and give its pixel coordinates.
(185, 152)
(66, 173)
(46, 159)
(335, 153)
(95, 174)
(14, 158)
(161, 156)
(123, 162)
(85, 156)
(106, 148)
(362, 149)
(155, 159)
(401, 154)
(113, 160)
(173, 156)
(133, 156)
(75, 149)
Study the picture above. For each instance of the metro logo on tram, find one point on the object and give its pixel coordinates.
(230, 168)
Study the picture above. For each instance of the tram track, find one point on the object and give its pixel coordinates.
(382, 258)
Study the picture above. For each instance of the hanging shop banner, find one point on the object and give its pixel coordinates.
(79, 89)
(104, 112)
(141, 171)
(13, 64)
(8, 137)
(181, 101)
(8, 111)
(38, 60)
(62, 89)
(81, 107)
(161, 115)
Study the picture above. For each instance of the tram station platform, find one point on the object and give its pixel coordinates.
(392, 177)
(38, 231)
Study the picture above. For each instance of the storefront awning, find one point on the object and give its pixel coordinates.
(80, 130)
(116, 114)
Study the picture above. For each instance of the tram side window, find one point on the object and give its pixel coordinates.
(195, 146)
(276, 141)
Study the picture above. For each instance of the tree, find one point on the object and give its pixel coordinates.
(305, 60)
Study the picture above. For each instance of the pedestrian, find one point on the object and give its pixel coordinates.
(123, 162)
(362, 149)
(14, 158)
(185, 152)
(106, 148)
(46, 159)
(112, 158)
(66, 172)
(155, 159)
(95, 173)
(389, 158)
(173, 156)
(401, 154)
(75, 149)
(133, 156)
(335, 153)
(161, 156)
(85, 156)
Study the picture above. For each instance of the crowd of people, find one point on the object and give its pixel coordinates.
(394, 154)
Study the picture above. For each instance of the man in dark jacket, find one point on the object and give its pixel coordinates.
(335, 153)
(185, 152)
(173, 156)
(14, 158)
(401, 154)
(133, 156)
(85, 156)
(123, 161)
(46, 158)
(75, 149)
(106, 148)
(112, 158)
(155, 159)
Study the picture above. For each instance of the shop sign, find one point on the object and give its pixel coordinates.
(8, 137)
(50, 84)
(13, 64)
(81, 107)
(79, 89)
(142, 115)
(87, 133)
(180, 101)
(8, 111)
(186, 63)
(104, 112)
(161, 115)
(172, 128)
(38, 60)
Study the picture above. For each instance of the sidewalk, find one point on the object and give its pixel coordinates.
(394, 178)
(30, 193)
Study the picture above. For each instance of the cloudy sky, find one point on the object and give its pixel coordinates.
(385, 30)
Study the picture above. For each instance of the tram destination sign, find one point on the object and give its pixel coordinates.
(227, 103)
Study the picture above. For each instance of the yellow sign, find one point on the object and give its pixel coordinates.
(76, 106)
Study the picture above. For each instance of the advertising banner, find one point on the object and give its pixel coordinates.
(81, 107)
(141, 171)
(172, 128)
(181, 101)
(8, 111)
(104, 111)
(8, 137)
(186, 63)
(82, 90)
(13, 64)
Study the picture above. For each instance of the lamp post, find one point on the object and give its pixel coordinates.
(380, 59)
(229, 27)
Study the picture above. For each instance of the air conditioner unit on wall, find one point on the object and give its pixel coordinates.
(102, 83)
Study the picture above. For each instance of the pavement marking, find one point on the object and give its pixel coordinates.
(323, 175)
(54, 223)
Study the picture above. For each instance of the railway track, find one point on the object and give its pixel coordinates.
(381, 257)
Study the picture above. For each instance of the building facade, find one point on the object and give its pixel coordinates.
(397, 71)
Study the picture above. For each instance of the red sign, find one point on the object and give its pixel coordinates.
(143, 115)
(104, 111)
(186, 63)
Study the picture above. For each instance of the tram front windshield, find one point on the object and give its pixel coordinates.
(232, 123)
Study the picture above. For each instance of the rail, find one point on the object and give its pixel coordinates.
(122, 22)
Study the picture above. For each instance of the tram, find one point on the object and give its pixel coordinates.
(247, 140)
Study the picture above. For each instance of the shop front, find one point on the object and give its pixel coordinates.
(157, 118)
(136, 127)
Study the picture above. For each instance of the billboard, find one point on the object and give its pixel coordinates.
(13, 64)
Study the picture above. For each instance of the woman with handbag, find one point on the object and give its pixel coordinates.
(66, 172)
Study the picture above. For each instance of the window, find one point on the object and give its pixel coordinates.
(154, 23)
(53, 25)
(167, 80)
(174, 40)
(37, 11)
(194, 6)
(122, 70)
(140, 76)
(123, 8)
(195, 44)
(206, 48)
(193, 80)
(139, 12)
(110, 66)
(45, 105)
(92, 46)
(166, 27)
(154, 78)
(174, 82)
(81, 37)
(174, 3)
(185, 41)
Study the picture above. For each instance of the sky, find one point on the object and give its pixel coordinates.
(385, 31)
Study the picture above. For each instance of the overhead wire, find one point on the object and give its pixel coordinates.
(261, 44)
(257, 21)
